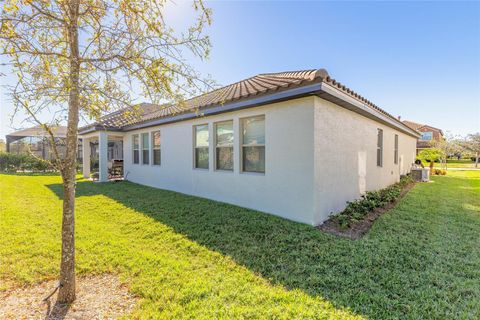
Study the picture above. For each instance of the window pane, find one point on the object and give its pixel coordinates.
(156, 156)
(427, 136)
(254, 130)
(145, 142)
(224, 132)
(379, 157)
(156, 139)
(254, 159)
(225, 158)
(135, 141)
(201, 135)
(145, 157)
(201, 158)
(136, 156)
(380, 138)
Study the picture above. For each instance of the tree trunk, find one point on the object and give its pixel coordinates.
(477, 156)
(66, 292)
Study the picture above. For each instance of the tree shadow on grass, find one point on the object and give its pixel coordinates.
(393, 272)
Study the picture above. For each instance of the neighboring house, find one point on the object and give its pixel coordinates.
(295, 144)
(35, 141)
(429, 135)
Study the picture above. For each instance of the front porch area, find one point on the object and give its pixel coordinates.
(102, 155)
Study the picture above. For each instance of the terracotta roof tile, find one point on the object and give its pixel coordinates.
(265, 83)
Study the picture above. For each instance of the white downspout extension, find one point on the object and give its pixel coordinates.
(102, 156)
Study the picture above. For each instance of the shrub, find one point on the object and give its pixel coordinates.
(439, 172)
(11, 162)
(356, 210)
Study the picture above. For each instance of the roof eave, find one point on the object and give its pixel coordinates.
(288, 94)
(90, 129)
(338, 97)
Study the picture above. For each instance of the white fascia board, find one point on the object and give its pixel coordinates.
(363, 109)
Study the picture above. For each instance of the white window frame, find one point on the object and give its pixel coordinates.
(379, 147)
(143, 148)
(431, 136)
(152, 135)
(395, 149)
(137, 149)
(215, 125)
(243, 145)
(195, 146)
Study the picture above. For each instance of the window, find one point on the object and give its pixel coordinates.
(201, 146)
(253, 144)
(136, 149)
(426, 136)
(156, 148)
(379, 147)
(395, 151)
(145, 148)
(224, 145)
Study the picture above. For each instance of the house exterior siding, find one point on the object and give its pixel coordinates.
(286, 187)
(345, 163)
(318, 156)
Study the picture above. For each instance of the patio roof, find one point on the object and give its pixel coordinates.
(38, 131)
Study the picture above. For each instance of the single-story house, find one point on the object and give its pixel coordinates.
(429, 135)
(294, 144)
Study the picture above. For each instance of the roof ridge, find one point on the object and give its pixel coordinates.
(315, 73)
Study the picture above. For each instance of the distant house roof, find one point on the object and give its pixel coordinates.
(38, 131)
(249, 92)
(416, 126)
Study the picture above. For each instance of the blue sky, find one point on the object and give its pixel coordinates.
(417, 60)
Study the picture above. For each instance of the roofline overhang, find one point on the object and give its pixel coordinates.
(320, 89)
(233, 106)
(338, 97)
(91, 129)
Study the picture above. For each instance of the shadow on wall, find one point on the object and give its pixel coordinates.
(385, 273)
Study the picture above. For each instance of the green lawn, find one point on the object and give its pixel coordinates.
(193, 258)
(453, 163)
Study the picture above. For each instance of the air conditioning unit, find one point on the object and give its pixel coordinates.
(421, 174)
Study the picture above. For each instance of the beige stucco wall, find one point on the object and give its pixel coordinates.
(345, 163)
(286, 188)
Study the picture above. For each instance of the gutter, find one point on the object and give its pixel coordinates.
(239, 105)
(357, 106)
(320, 89)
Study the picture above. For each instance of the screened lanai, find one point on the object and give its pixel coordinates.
(35, 141)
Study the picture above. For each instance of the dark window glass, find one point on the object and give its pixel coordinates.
(380, 147)
(225, 158)
(201, 158)
(136, 146)
(254, 159)
(201, 146)
(395, 153)
(145, 149)
(156, 148)
(253, 147)
(224, 147)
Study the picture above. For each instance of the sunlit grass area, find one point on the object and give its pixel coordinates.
(454, 163)
(187, 257)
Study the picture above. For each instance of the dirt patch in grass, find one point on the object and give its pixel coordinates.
(360, 228)
(98, 297)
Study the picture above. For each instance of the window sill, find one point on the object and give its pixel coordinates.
(251, 173)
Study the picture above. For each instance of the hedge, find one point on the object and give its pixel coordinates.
(10, 162)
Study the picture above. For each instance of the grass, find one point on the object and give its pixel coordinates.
(193, 258)
(453, 163)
